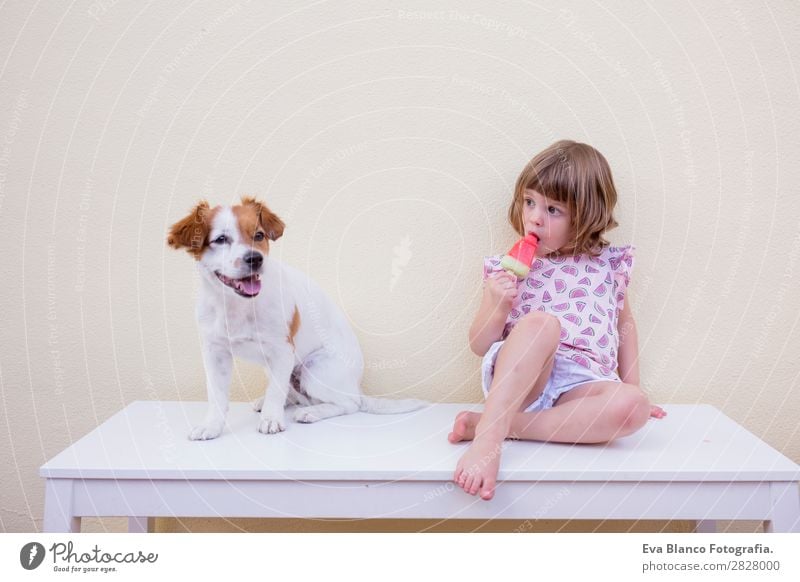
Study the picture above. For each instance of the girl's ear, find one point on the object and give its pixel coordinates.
(269, 220)
(191, 232)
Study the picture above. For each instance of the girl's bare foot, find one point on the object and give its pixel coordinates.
(476, 471)
(655, 412)
(464, 427)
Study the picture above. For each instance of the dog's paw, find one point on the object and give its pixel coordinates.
(258, 404)
(305, 415)
(206, 432)
(271, 425)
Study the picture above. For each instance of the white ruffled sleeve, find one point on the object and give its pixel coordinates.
(621, 260)
(491, 265)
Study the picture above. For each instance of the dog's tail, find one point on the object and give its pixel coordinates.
(389, 406)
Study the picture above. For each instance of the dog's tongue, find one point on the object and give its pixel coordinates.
(249, 285)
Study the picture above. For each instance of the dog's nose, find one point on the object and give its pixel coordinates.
(253, 260)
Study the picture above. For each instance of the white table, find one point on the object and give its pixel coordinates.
(696, 464)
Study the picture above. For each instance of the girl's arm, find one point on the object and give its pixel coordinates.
(629, 354)
(499, 293)
(628, 346)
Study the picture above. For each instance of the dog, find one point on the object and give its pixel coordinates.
(254, 307)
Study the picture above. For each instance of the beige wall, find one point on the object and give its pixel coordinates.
(381, 134)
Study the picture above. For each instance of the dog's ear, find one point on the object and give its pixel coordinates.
(269, 220)
(191, 232)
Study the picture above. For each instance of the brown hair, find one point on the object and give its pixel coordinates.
(577, 175)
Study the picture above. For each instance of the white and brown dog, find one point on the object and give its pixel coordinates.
(259, 309)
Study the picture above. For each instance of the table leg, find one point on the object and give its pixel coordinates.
(58, 510)
(705, 526)
(785, 513)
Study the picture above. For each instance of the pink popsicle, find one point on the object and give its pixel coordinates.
(520, 258)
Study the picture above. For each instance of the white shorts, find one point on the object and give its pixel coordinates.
(565, 376)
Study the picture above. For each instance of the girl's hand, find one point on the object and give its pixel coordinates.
(501, 288)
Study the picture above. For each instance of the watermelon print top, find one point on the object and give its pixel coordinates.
(586, 293)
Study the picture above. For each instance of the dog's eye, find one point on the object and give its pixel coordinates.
(221, 239)
(259, 236)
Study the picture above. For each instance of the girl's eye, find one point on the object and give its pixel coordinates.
(553, 210)
(529, 201)
(259, 236)
(221, 239)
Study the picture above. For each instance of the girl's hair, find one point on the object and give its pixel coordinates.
(577, 175)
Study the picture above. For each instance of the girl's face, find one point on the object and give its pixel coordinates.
(547, 219)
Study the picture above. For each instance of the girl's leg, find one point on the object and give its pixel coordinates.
(521, 372)
(596, 412)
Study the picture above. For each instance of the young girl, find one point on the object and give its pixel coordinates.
(560, 355)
